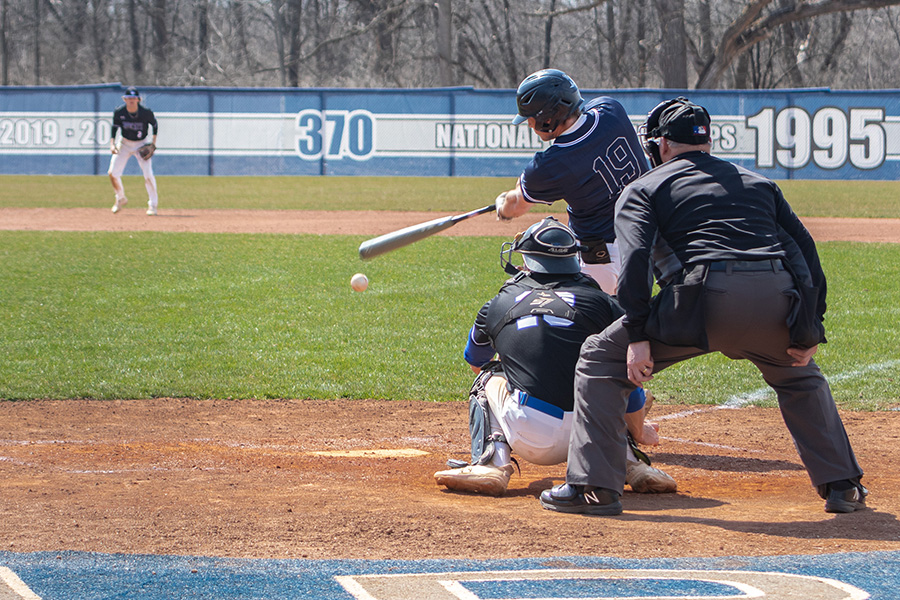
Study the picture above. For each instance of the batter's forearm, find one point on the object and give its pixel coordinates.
(514, 204)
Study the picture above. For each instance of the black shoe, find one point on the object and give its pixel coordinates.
(573, 499)
(845, 500)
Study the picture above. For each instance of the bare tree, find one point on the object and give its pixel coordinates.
(753, 26)
(444, 40)
(201, 12)
(423, 43)
(158, 15)
(37, 41)
(4, 42)
(548, 34)
(673, 44)
(137, 63)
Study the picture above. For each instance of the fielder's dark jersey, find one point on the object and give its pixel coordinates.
(135, 127)
(705, 209)
(539, 352)
(588, 167)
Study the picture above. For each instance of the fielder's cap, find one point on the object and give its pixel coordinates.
(549, 247)
(680, 120)
(131, 92)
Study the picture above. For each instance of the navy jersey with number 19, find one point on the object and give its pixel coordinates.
(588, 166)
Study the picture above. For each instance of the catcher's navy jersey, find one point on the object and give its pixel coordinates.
(134, 126)
(539, 352)
(587, 167)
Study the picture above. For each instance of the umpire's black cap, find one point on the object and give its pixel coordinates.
(679, 120)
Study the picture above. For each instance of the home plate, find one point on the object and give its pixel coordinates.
(373, 453)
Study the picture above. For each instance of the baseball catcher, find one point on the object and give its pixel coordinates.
(523, 402)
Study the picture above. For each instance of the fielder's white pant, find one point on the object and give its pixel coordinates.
(127, 149)
(537, 437)
(606, 275)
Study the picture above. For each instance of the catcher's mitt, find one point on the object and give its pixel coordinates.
(147, 151)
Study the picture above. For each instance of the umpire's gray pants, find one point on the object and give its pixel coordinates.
(745, 319)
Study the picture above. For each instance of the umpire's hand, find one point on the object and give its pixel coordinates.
(639, 363)
(802, 356)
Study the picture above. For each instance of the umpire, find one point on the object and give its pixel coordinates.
(746, 282)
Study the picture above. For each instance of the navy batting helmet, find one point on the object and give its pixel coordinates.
(550, 97)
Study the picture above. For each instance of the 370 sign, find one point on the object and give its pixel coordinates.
(335, 134)
(829, 138)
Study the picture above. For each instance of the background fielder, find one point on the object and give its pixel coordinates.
(135, 122)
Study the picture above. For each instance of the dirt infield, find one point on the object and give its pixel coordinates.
(353, 479)
(367, 223)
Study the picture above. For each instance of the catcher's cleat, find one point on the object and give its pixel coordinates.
(151, 211)
(845, 501)
(574, 499)
(481, 479)
(119, 204)
(645, 479)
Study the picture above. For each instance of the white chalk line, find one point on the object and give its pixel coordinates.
(741, 400)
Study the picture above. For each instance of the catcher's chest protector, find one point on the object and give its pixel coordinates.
(541, 300)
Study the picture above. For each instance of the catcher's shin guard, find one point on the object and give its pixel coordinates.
(483, 439)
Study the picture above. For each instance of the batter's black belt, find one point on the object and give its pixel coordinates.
(772, 264)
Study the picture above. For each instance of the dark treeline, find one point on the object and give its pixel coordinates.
(756, 44)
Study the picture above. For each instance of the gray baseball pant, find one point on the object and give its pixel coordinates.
(746, 314)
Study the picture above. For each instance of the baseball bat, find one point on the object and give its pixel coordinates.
(409, 235)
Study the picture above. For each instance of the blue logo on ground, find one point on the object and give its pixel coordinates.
(94, 576)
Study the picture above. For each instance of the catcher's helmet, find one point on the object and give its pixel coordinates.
(679, 120)
(550, 96)
(546, 247)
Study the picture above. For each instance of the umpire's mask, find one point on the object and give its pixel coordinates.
(546, 247)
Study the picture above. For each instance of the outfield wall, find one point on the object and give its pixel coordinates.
(784, 134)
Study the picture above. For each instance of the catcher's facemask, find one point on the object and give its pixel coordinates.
(546, 247)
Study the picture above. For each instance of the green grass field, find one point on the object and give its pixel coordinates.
(135, 315)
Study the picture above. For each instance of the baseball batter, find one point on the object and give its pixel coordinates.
(594, 155)
(135, 121)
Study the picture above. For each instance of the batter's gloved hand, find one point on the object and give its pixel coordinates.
(498, 204)
(147, 151)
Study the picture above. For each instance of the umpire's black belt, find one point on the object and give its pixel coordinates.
(771, 264)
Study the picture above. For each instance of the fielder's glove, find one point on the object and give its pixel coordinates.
(147, 151)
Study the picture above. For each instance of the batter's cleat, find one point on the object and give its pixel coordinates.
(151, 212)
(847, 500)
(119, 204)
(645, 479)
(569, 498)
(481, 479)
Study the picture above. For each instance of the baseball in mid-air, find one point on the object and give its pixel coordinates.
(359, 282)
